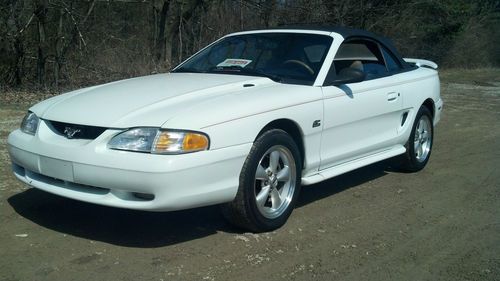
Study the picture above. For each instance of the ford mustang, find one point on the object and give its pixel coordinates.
(242, 123)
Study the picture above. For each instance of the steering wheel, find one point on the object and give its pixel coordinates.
(302, 64)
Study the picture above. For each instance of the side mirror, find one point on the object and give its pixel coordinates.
(348, 75)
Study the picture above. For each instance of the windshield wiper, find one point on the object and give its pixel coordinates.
(247, 71)
(250, 71)
(188, 70)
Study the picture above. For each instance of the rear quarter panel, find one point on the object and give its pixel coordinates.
(418, 86)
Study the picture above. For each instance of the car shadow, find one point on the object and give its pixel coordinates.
(141, 229)
(123, 227)
(343, 182)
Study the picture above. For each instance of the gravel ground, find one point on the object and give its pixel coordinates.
(442, 223)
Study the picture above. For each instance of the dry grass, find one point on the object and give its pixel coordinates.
(480, 76)
(23, 97)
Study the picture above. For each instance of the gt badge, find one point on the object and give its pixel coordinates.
(316, 123)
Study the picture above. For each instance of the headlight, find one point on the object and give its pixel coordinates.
(30, 123)
(154, 140)
(139, 139)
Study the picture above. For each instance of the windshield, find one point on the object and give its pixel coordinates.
(283, 57)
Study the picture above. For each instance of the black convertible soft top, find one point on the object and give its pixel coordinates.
(352, 33)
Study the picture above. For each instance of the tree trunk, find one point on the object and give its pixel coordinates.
(267, 9)
(41, 14)
(76, 31)
(19, 66)
(15, 70)
(160, 45)
(58, 49)
(186, 12)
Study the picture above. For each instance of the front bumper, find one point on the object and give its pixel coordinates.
(86, 170)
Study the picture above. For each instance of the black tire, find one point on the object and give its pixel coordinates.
(410, 161)
(244, 210)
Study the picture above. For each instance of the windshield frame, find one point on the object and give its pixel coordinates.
(318, 75)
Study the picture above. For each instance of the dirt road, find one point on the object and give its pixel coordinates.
(442, 223)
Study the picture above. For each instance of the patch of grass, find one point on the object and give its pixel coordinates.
(17, 98)
(10, 119)
(481, 76)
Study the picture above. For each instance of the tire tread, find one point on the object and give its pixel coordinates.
(407, 162)
(238, 212)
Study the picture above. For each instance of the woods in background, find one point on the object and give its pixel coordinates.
(70, 43)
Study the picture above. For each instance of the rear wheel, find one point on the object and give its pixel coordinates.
(419, 145)
(269, 184)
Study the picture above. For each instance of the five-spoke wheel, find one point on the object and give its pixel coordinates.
(419, 145)
(423, 139)
(269, 183)
(275, 181)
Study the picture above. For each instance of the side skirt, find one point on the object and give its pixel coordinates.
(352, 165)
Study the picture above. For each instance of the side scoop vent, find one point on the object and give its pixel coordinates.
(403, 118)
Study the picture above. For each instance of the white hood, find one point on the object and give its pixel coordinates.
(143, 101)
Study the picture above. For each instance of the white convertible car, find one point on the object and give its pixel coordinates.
(243, 123)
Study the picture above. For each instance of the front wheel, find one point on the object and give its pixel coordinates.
(269, 184)
(419, 145)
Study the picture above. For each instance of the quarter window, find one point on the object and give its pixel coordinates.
(366, 56)
(390, 61)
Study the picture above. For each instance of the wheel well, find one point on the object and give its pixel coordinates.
(292, 129)
(429, 103)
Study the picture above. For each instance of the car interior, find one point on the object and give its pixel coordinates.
(366, 56)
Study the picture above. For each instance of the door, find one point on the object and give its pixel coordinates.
(360, 119)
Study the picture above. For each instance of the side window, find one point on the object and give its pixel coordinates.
(361, 54)
(391, 62)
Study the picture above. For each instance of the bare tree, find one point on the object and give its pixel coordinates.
(73, 42)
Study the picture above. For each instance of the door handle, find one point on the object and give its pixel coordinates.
(392, 96)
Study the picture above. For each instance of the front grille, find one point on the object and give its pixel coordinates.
(75, 131)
